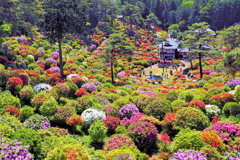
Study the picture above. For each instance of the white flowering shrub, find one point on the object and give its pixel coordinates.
(42, 87)
(212, 110)
(89, 115)
(70, 76)
(84, 78)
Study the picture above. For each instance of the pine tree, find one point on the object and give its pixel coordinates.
(158, 9)
(172, 17)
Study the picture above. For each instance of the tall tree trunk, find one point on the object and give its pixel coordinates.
(60, 56)
(200, 63)
(112, 70)
(191, 64)
(131, 22)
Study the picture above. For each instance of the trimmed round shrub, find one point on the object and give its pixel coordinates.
(26, 112)
(121, 130)
(11, 121)
(143, 101)
(168, 122)
(90, 87)
(212, 110)
(121, 154)
(31, 138)
(228, 97)
(116, 141)
(69, 151)
(90, 115)
(158, 109)
(26, 94)
(38, 100)
(37, 122)
(191, 118)
(144, 134)
(128, 111)
(62, 90)
(187, 139)
(172, 95)
(72, 89)
(97, 131)
(178, 104)
(49, 107)
(197, 104)
(62, 115)
(231, 109)
(217, 100)
(84, 103)
(186, 96)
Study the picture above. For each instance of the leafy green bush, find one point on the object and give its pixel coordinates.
(6, 98)
(231, 109)
(49, 107)
(172, 95)
(31, 138)
(122, 154)
(187, 139)
(97, 131)
(38, 100)
(6, 130)
(158, 109)
(191, 118)
(178, 104)
(26, 94)
(121, 130)
(26, 112)
(11, 121)
(84, 103)
(186, 96)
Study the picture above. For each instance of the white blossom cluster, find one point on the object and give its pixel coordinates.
(212, 110)
(89, 115)
(84, 78)
(70, 76)
(42, 87)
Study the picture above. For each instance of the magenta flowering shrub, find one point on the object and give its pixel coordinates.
(36, 122)
(150, 93)
(116, 141)
(14, 150)
(90, 87)
(190, 154)
(63, 114)
(128, 110)
(144, 134)
(143, 101)
(121, 74)
(127, 122)
(228, 132)
(62, 90)
(111, 111)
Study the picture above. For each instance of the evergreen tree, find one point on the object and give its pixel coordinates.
(158, 9)
(165, 17)
(172, 6)
(172, 17)
(207, 11)
(64, 16)
(131, 11)
(194, 16)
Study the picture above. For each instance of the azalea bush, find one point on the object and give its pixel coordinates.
(36, 122)
(128, 111)
(111, 123)
(144, 134)
(97, 131)
(197, 104)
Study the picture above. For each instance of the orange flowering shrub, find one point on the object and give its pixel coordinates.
(213, 139)
(75, 120)
(66, 152)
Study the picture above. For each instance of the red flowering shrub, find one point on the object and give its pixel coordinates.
(197, 104)
(78, 81)
(164, 91)
(217, 100)
(116, 141)
(112, 90)
(194, 85)
(81, 92)
(216, 118)
(13, 82)
(168, 122)
(111, 122)
(24, 78)
(38, 100)
(228, 97)
(75, 120)
(13, 111)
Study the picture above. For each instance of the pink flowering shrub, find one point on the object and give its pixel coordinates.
(116, 141)
(127, 122)
(62, 90)
(144, 134)
(228, 132)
